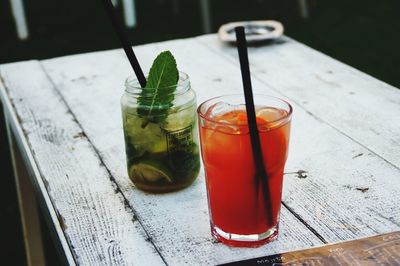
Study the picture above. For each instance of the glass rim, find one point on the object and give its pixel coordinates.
(287, 116)
(132, 85)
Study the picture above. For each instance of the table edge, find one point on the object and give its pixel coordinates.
(45, 204)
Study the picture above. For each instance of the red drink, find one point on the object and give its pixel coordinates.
(239, 214)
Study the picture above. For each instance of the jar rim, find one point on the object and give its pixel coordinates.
(281, 120)
(132, 84)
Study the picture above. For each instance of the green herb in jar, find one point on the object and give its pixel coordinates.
(156, 98)
(160, 128)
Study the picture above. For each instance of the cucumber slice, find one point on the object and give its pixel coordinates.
(150, 172)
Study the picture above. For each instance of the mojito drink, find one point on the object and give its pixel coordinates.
(160, 128)
(162, 156)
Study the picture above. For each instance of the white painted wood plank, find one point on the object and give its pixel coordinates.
(99, 227)
(327, 200)
(35, 179)
(177, 223)
(353, 102)
(337, 165)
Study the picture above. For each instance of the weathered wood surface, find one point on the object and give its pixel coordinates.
(363, 108)
(177, 222)
(336, 144)
(15, 131)
(353, 176)
(98, 226)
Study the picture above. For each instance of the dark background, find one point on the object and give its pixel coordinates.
(362, 33)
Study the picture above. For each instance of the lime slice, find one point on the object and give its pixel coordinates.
(150, 172)
(270, 114)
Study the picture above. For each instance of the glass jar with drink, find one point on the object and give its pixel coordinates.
(160, 129)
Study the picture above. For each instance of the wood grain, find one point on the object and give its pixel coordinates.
(99, 227)
(177, 222)
(355, 104)
(350, 177)
(331, 199)
(43, 199)
(324, 152)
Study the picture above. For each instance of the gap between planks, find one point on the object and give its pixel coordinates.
(291, 210)
(232, 61)
(112, 179)
(56, 68)
(35, 174)
(71, 90)
(14, 99)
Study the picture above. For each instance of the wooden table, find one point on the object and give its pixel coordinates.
(66, 133)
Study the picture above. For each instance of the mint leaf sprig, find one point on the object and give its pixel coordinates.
(156, 98)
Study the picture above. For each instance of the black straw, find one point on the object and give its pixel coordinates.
(125, 44)
(251, 118)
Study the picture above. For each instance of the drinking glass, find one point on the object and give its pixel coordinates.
(243, 212)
